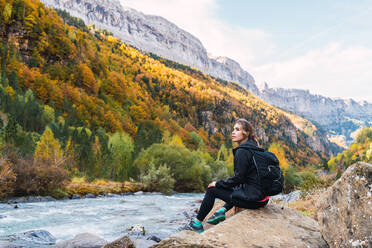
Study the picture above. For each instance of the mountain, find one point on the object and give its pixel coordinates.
(91, 90)
(154, 34)
(340, 118)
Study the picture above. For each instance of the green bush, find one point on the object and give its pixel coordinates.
(309, 180)
(219, 170)
(159, 179)
(292, 179)
(189, 170)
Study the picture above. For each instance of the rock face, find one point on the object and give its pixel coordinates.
(339, 117)
(345, 209)
(154, 34)
(267, 227)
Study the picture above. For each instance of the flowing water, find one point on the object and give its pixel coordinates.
(106, 217)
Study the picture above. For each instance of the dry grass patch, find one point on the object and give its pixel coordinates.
(98, 187)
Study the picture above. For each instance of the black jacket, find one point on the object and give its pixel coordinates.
(244, 182)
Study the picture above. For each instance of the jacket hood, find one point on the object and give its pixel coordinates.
(250, 145)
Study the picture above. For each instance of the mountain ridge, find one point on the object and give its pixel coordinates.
(154, 34)
(157, 35)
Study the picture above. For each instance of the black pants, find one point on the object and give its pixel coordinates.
(225, 195)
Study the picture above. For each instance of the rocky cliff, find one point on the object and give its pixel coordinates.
(154, 34)
(339, 117)
(346, 206)
(267, 227)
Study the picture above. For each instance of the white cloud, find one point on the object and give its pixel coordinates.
(334, 70)
(198, 17)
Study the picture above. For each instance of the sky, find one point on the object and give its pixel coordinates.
(324, 46)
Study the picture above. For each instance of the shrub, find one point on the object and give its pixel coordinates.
(189, 170)
(7, 178)
(159, 179)
(219, 170)
(291, 179)
(309, 181)
(31, 178)
(38, 179)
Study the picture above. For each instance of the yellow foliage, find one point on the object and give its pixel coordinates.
(7, 12)
(278, 150)
(78, 180)
(48, 150)
(9, 90)
(112, 39)
(176, 140)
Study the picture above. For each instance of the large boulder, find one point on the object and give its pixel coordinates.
(123, 242)
(345, 209)
(267, 227)
(33, 238)
(83, 240)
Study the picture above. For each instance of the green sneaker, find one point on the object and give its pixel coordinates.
(216, 218)
(191, 226)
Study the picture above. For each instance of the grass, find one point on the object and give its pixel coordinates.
(80, 186)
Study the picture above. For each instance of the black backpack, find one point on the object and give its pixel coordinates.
(270, 176)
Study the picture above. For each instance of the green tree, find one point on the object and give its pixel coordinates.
(121, 146)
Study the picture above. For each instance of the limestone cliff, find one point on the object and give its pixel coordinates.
(339, 117)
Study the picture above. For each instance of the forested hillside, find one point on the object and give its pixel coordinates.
(78, 101)
(360, 150)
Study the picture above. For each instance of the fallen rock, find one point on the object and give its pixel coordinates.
(32, 238)
(288, 198)
(89, 196)
(345, 209)
(154, 238)
(83, 240)
(75, 196)
(143, 243)
(137, 230)
(267, 227)
(123, 242)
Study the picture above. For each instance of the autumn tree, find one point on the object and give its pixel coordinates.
(85, 78)
(278, 150)
(48, 150)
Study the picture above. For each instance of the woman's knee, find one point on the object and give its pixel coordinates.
(211, 191)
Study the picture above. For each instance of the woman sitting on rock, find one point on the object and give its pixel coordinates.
(243, 183)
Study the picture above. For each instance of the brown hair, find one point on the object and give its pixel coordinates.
(247, 127)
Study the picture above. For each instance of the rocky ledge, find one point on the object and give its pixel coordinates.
(267, 227)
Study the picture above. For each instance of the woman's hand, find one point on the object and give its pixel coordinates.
(212, 184)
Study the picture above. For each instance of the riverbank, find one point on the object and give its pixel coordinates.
(79, 187)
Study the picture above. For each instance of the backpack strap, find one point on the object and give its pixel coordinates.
(254, 162)
(258, 174)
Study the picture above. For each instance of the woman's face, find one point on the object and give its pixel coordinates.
(238, 135)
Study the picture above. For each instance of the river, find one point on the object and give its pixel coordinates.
(107, 217)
